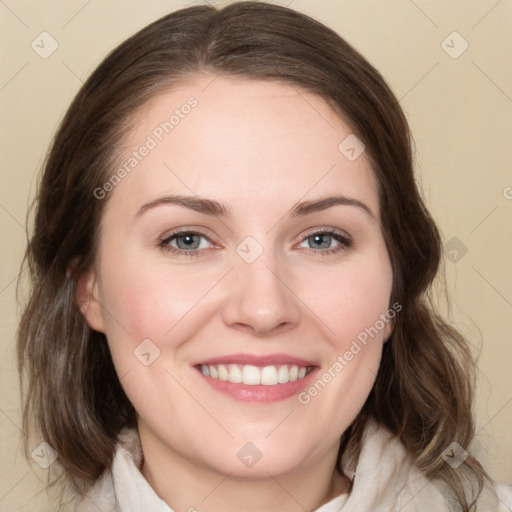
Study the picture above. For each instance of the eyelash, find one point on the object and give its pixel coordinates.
(164, 243)
(345, 242)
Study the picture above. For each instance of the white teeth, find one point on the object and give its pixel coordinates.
(284, 375)
(269, 376)
(223, 372)
(235, 374)
(251, 375)
(254, 375)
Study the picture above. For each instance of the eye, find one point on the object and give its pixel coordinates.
(185, 243)
(326, 242)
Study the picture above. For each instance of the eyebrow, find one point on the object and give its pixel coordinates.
(212, 207)
(307, 207)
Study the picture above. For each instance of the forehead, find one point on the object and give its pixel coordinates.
(249, 140)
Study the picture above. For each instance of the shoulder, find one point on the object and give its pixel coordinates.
(101, 494)
(384, 475)
(504, 495)
(123, 488)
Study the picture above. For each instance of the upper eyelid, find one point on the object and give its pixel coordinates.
(184, 231)
(326, 229)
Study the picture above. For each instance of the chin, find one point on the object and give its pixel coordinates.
(258, 459)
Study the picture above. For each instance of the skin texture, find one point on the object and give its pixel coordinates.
(259, 148)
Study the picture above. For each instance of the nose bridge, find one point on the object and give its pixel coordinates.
(259, 298)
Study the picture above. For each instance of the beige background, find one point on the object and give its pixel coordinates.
(460, 110)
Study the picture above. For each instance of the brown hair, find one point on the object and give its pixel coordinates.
(424, 388)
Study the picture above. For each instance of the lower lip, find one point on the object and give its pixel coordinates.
(260, 393)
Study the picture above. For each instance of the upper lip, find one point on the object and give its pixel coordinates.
(257, 360)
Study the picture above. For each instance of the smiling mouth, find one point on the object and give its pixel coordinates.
(250, 375)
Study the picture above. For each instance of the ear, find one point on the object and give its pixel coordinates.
(87, 300)
(388, 330)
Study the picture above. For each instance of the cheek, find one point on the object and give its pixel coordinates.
(350, 298)
(353, 301)
(149, 301)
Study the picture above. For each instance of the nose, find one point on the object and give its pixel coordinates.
(260, 299)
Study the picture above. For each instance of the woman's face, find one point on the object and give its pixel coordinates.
(279, 275)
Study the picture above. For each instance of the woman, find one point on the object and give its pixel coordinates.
(231, 265)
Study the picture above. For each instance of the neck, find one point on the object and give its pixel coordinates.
(185, 486)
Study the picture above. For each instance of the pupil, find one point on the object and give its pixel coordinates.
(187, 240)
(322, 240)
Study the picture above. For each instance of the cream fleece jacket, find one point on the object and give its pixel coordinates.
(384, 480)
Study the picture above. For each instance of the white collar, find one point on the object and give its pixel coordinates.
(384, 480)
